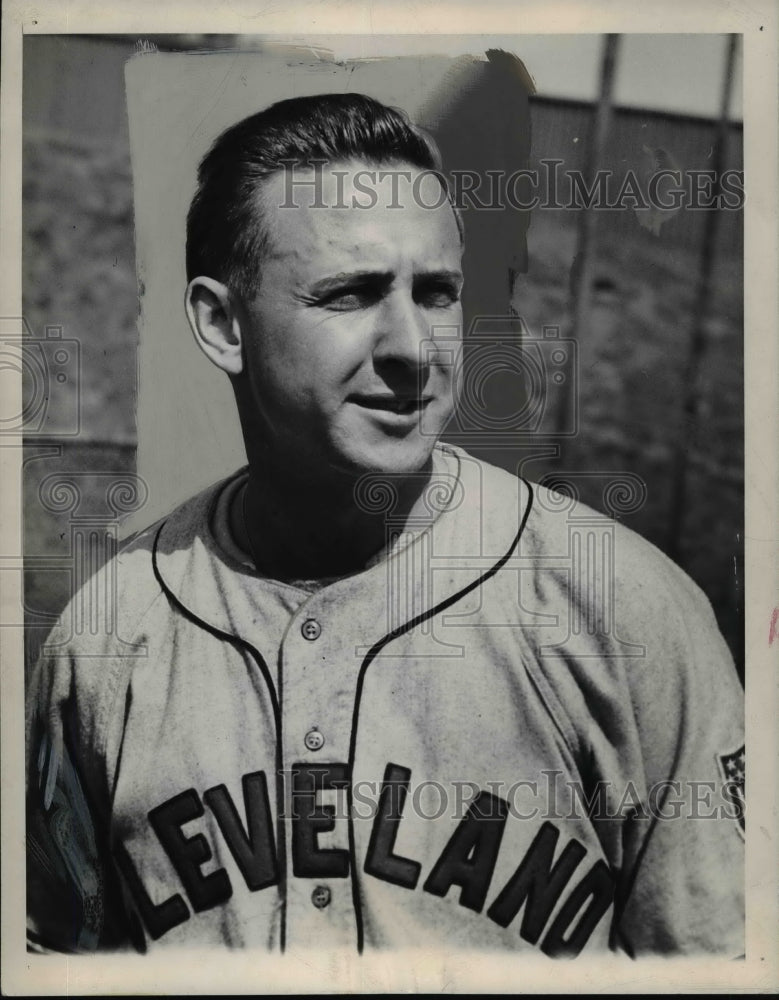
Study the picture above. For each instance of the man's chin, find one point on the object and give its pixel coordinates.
(394, 460)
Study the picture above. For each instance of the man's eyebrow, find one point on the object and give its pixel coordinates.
(442, 275)
(333, 281)
(344, 277)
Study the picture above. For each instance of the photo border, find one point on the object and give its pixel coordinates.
(302, 970)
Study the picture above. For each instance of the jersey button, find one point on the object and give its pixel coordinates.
(311, 629)
(314, 740)
(320, 897)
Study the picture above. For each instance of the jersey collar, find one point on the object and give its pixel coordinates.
(482, 513)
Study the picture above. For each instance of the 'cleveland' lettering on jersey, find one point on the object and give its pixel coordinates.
(547, 873)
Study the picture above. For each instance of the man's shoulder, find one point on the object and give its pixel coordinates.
(182, 523)
(597, 596)
(130, 580)
(555, 526)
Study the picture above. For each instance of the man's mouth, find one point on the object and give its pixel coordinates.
(403, 405)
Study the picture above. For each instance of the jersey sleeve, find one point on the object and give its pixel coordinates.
(68, 880)
(682, 881)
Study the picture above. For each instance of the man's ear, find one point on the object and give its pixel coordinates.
(214, 322)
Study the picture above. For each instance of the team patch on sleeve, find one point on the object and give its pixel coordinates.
(733, 770)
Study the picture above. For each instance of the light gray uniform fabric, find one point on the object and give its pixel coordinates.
(519, 730)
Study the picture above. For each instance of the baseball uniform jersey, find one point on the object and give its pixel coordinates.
(518, 728)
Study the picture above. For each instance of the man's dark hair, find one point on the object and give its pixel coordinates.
(225, 234)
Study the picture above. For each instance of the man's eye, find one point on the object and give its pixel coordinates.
(438, 296)
(346, 299)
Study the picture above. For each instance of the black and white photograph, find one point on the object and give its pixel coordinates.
(393, 552)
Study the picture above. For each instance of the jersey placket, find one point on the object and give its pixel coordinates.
(317, 685)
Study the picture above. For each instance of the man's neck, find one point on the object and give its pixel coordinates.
(303, 530)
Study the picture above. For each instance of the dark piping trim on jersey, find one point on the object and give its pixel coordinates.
(281, 833)
(371, 655)
(237, 641)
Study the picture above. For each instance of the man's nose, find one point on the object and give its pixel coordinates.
(402, 335)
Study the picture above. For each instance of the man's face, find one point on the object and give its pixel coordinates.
(343, 371)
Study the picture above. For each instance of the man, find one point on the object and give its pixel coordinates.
(370, 692)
